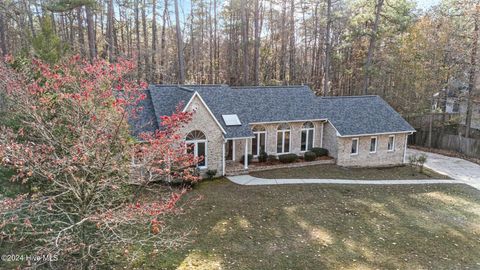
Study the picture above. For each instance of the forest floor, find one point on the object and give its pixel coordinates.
(338, 172)
(324, 227)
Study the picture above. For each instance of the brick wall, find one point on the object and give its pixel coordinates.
(203, 121)
(382, 157)
(330, 139)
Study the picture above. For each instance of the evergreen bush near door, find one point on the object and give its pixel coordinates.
(309, 156)
(320, 152)
(288, 158)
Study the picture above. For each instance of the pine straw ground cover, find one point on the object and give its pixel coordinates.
(338, 172)
(324, 227)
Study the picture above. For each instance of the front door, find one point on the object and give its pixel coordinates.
(258, 143)
(229, 150)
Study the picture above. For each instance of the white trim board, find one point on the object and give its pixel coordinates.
(237, 138)
(287, 121)
(208, 109)
(375, 134)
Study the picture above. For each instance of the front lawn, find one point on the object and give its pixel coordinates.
(338, 172)
(324, 227)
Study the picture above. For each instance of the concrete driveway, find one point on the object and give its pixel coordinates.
(457, 168)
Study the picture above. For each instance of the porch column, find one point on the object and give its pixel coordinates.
(245, 159)
(233, 150)
(223, 157)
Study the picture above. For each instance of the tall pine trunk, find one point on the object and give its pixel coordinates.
(371, 46)
(181, 60)
(3, 39)
(256, 57)
(137, 36)
(146, 50)
(153, 72)
(326, 66)
(91, 33)
(245, 70)
(163, 42)
(81, 36)
(283, 42)
(473, 73)
(110, 30)
(292, 71)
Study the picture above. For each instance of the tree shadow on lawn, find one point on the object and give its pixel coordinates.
(327, 227)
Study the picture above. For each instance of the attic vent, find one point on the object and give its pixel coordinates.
(231, 120)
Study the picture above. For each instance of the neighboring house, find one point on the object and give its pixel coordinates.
(462, 110)
(456, 102)
(230, 122)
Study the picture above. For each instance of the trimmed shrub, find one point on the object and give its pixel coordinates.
(250, 157)
(320, 152)
(262, 157)
(309, 156)
(272, 158)
(211, 174)
(288, 158)
(418, 161)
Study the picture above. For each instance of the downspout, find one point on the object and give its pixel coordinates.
(321, 135)
(405, 148)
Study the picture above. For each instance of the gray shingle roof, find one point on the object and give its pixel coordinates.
(349, 115)
(258, 104)
(357, 115)
(166, 98)
(144, 120)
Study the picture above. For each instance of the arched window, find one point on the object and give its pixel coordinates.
(195, 135)
(283, 138)
(197, 145)
(259, 141)
(258, 128)
(308, 133)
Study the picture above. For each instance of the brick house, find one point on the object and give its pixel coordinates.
(230, 122)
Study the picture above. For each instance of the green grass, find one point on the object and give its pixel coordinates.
(324, 227)
(338, 172)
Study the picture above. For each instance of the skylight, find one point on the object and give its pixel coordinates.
(231, 120)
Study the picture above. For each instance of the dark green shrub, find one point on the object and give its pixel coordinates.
(320, 152)
(262, 157)
(250, 157)
(211, 174)
(272, 158)
(309, 156)
(288, 158)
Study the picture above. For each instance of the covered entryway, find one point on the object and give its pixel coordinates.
(234, 150)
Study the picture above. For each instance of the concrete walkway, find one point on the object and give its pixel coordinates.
(462, 171)
(249, 180)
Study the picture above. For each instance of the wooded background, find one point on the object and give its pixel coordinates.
(384, 47)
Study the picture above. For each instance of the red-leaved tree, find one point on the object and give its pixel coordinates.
(64, 131)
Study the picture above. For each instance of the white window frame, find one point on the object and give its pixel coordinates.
(306, 137)
(393, 143)
(283, 131)
(370, 145)
(195, 149)
(258, 141)
(358, 144)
